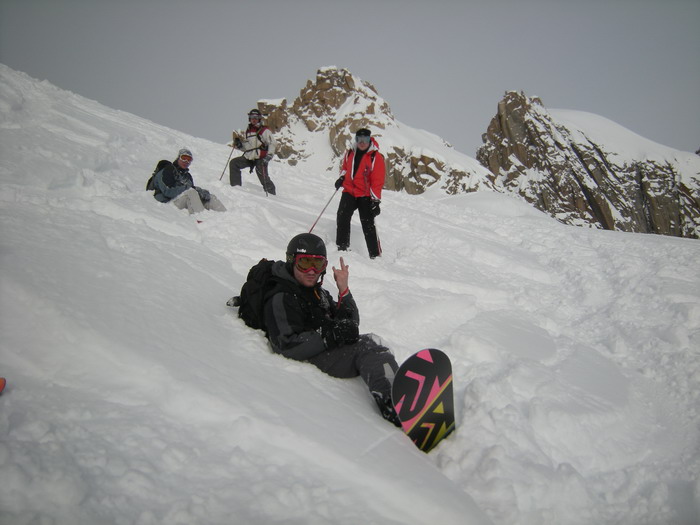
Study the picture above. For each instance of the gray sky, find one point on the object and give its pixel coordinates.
(442, 66)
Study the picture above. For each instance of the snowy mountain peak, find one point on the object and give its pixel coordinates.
(337, 100)
(322, 121)
(579, 168)
(586, 170)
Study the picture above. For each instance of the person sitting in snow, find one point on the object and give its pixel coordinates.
(362, 179)
(258, 146)
(303, 322)
(174, 183)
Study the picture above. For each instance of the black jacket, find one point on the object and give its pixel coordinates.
(296, 315)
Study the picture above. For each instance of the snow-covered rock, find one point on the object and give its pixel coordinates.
(323, 119)
(586, 170)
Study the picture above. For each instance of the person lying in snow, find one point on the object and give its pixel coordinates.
(174, 183)
(303, 322)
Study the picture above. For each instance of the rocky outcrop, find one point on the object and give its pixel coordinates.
(559, 167)
(340, 103)
(334, 106)
(564, 172)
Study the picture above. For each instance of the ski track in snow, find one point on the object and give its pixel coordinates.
(135, 396)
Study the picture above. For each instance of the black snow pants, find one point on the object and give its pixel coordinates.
(367, 358)
(346, 208)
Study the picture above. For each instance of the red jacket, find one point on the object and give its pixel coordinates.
(368, 180)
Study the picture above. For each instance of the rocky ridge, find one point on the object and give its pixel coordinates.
(336, 104)
(622, 182)
(556, 165)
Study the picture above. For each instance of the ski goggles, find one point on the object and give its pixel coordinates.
(307, 263)
(362, 140)
(186, 158)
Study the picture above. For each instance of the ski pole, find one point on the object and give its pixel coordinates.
(229, 158)
(324, 209)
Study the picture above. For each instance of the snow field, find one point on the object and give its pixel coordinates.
(136, 396)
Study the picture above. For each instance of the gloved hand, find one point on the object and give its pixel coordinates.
(267, 158)
(339, 182)
(340, 332)
(237, 143)
(204, 195)
(375, 208)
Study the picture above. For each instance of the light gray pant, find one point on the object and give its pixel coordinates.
(189, 199)
(237, 164)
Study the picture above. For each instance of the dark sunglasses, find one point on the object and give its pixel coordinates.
(362, 140)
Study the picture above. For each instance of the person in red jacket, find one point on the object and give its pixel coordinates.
(362, 176)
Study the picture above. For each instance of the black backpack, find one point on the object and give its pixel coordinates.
(151, 184)
(254, 292)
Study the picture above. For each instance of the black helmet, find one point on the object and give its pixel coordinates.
(307, 244)
(254, 113)
(363, 132)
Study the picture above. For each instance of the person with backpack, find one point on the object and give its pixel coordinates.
(362, 175)
(302, 321)
(173, 182)
(258, 147)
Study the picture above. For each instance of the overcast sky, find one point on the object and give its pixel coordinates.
(442, 66)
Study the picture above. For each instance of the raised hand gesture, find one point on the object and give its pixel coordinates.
(341, 276)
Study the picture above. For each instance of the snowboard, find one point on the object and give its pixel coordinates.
(423, 398)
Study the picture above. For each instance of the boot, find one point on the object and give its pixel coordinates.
(386, 408)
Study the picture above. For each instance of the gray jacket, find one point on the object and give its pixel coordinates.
(171, 181)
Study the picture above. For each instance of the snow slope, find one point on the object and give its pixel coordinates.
(625, 146)
(136, 396)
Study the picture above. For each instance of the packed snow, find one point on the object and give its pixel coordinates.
(135, 396)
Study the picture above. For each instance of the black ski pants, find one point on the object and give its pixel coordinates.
(239, 163)
(366, 358)
(346, 208)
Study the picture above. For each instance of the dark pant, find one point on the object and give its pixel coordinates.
(367, 358)
(346, 208)
(237, 164)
